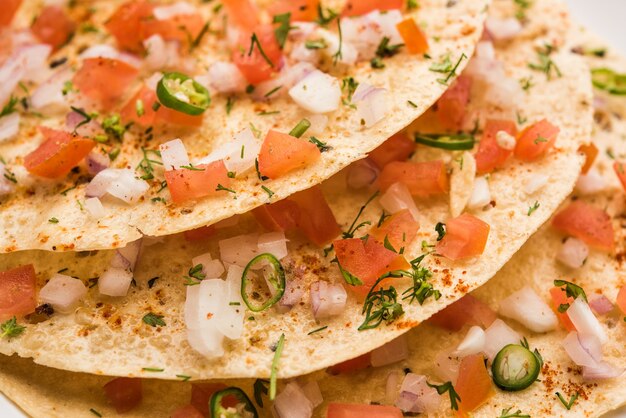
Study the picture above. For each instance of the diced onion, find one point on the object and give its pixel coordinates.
(416, 396)
(63, 292)
(387, 22)
(317, 93)
(447, 366)
(239, 155)
(289, 76)
(526, 307)
(202, 306)
(174, 155)
(473, 343)
(327, 299)
(96, 162)
(364, 34)
(481, 195)
(212, 269)
(573, 253)
(232, 310)
(583, 350)
(396, 198)
(48, 97)
(394, 351)
(301, 53)
(585, 321)
(505, 140)
(239, 250)
(361, 174)
(372, 104)
(503, 29)
(115, 282)
(292, 403)
(173, 10)
(312, 392)
(9, 126)
(95, 208)
(591, 183)
(391, 386)
(226, 78)
(273, 243)
(131, 252)
(602, 371)
(34, 58)
(601, 305)
(119, 183)
(497, 336)
(161, 53)
(349, 54)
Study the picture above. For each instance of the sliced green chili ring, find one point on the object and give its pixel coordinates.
(218, 410)
(300, 128)
(276, 280)
(453, 142)
(608, 80)
(174, 86)
(515, 368)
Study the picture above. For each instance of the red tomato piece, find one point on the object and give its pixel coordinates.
(397, 148)
(620, 170)
(185, 184)
(473, 385)
(124, 393)
(148, 98)
(166, 116)
(242, 13)
(587, 223)
(490, 155)
(422, 179)
(57, 154)
(301, 10)
(125, 24)
(350, 366)
(535, 141)
(451, 107)
(400, 229)
(252, 64)
(316, 221)
(466, 236)
(414, 39)
(8, 10)
(361, 7)
(345, 410)
(621, 300)
(591, 152)
(367, 261)
(187, 411)
(282, 153)
(53, 27)
(105, 80)
(201, 395)
(182, 28)
(17, 292)
(199, 234)
(467, 310)
(280, 216)
(559, 297)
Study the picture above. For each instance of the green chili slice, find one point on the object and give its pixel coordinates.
(276, 280)
(515, 368)
(183, 94)
(300, 128)
(244, 404)
(608, 80)
(453, 142)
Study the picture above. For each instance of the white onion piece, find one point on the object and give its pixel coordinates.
(361, 174)
(161, 53)
(292, 403)
(535, 183)
(119, 183)
(231, 313)
(497, 336)
(495, 86)
(292, 296)
(317, 93)
(6, 186)
(273, 243)
(364, 34)
(588, 354)
(97, 162)
(391, 386)
(447, 366)
(349, 54)
(573, 253)
(131, 252)
(63, 292)
(301, 53)
(313, 393)
(239, 250)
(115, 282)
(485, 49)
(301, 30)
(394, 351)
(372, 104)
(226, 78)
(526, 307)
(473, 343)
(481, 195)
(396, 198)
(201, 309)
(505, 140)
(386, 21)
(327, 299)
(503, 29)
(417, 396)
(239, 155)
(95, 208)
(289, 76)
(74, 119)
(9, 126)
(48, 97)
(34, 58)
(601, 305)
(173, 10)
(212, 269)
(591, 183)
(11, 72)
(601, 371)
(585, 321)
(174, 155)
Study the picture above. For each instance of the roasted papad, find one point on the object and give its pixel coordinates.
(453, 29)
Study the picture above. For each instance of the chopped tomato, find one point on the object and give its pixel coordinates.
(280, 216)
(560, 298)
(104, 80)
(187, 411)
(473, 385)
(591, 152)
(124, 393)
(125, 24)
(587, 223)
(490, 155)
(361, 7)
(536, 140)
(301, 10)
(399, 229)
(349, 366)
(148, 98)
(397, 148)
(422, 179)
(252, 63)
(414, 39)
(53, 26)
(621, 300)
(201, 395)
(316, 221)
(182, 28)
(199, 234)
(17, 292)
(58, 153)
(242, 13)
(8, 10)
(204, 180)
(165, 115)
(451, 107)
(466, 236)
(282, 153)
(345, 410)
(367, 261)
(620, 170)
(467, 310)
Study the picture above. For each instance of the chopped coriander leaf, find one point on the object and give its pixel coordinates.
(87, 117)
(275, 361)
(10, 107)
(447, 68)
(195, 275)
(260, 388)
(545, 64)
(139, 109)
(380, 305)
(196, 42)
(316, 44)
(300, 128)
(113, 126)
(572, 399)
(254, 40)
(317, 330)
(377, 63)
(268, 191)
(66, 191)
(412, 4)
(282, 31)
(323, 19)
(447, 387)
(255, 130)
(533, 208)
(192, 168)
(9, 175)
(156, 106)
(349, 85)
(338, 55)
(225, 189)
(53, 220)
(146, 163)
(441, 230)
(526, 83)
(68, 87)
(322, 146)
(153, 320)
(272, 91)
(412, 104)
(506, 413)
(152, 369)
(522, 7)
(230, 102)
(152, 281)
(11, 328)
(183, 377)
(571, 290)
(96, 413)
(385, 50)
(266, 113)
(354, 227)
(349, 278)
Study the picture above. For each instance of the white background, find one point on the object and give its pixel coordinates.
(604, 17)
